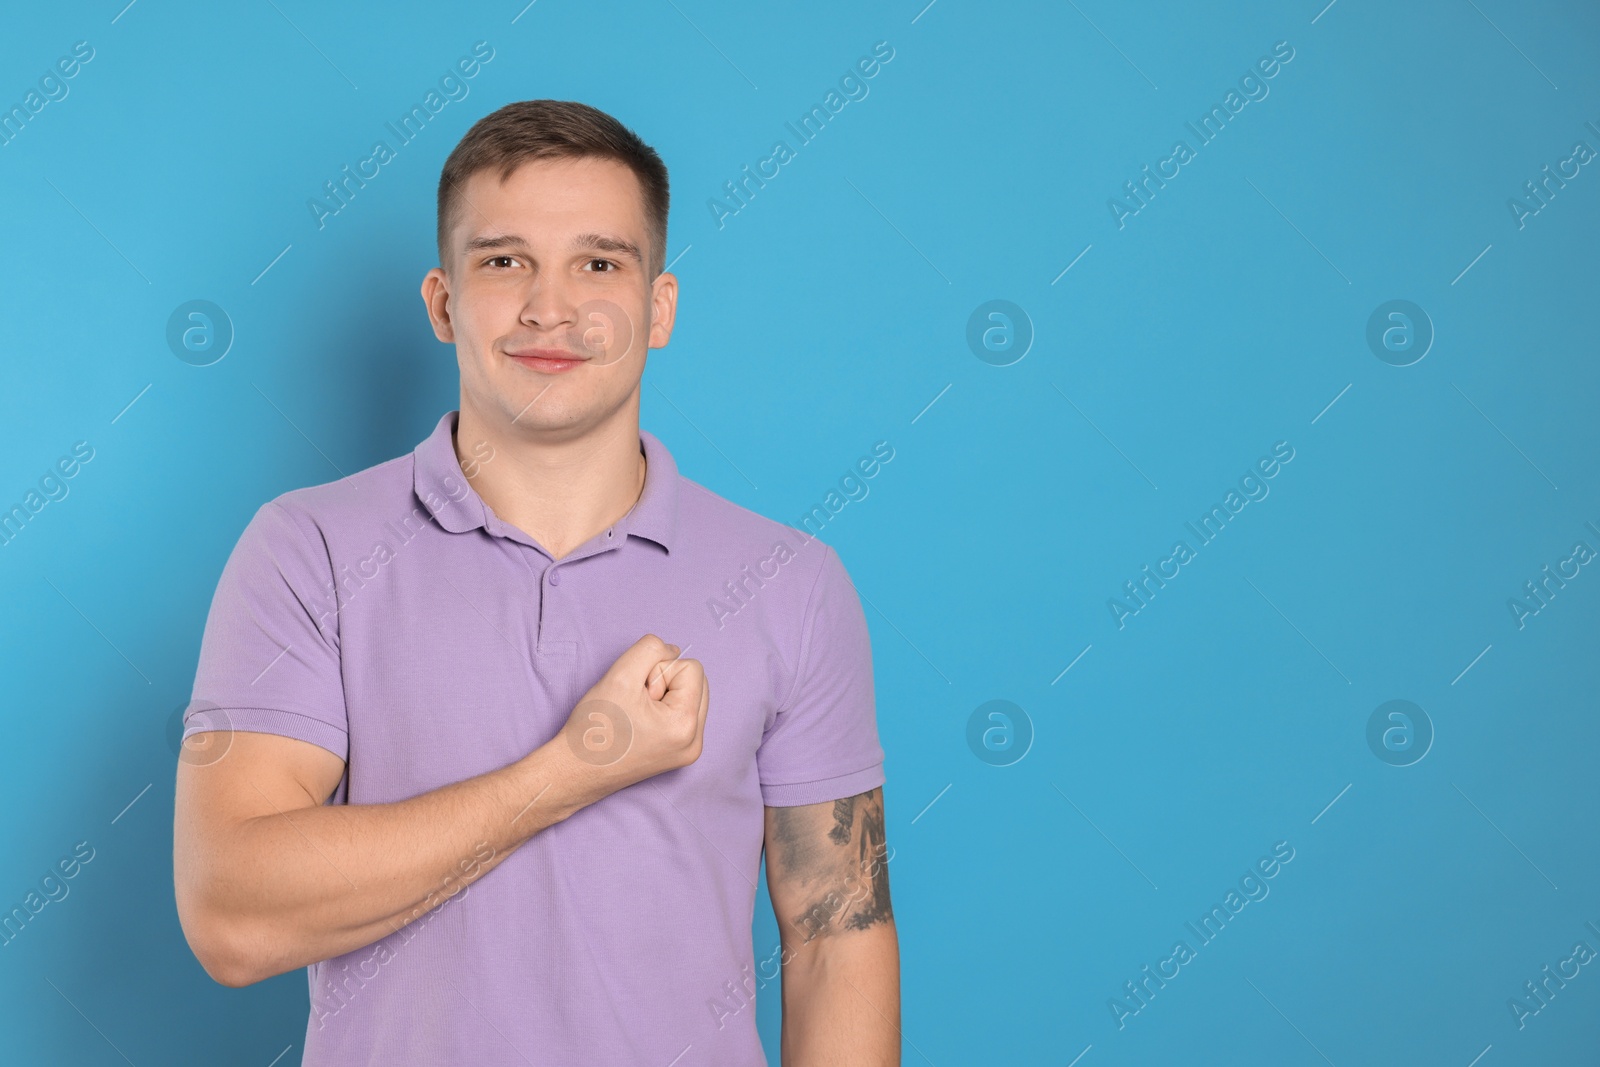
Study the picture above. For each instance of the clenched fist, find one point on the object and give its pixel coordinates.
(646, 715)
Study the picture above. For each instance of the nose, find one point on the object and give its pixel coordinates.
(549, 305)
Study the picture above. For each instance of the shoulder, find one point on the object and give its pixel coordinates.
(703, 510)
(335, 517)
(349, 505)
(709, 519)
(790, 579)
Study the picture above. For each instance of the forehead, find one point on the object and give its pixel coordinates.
(551, 199)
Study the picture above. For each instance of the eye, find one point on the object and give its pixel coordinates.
(608, 263)
(495, 259)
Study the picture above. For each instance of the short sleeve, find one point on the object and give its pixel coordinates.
(823, 743)
(269, 658)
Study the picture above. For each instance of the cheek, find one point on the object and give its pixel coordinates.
(610, 329)
(472, 356)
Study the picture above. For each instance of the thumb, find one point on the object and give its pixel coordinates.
(657, 681)
(635, 666)
(686, 686)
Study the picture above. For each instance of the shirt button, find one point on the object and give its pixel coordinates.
(555, 579)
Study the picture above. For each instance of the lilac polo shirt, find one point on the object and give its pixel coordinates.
(393, 619)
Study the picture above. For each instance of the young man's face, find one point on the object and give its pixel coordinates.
(552, 263)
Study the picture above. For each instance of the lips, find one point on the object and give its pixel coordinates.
(548, 360)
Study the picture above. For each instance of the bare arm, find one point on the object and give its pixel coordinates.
(268, 878)
(828, 874)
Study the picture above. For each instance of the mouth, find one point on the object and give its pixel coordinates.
(547, 360)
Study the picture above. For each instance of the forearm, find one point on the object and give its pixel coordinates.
(312, 883)
(841, 1000)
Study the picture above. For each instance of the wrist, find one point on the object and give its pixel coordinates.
(562, 783)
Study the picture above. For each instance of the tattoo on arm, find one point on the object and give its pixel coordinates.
(843, 872)
(870, 860)
(842, 810)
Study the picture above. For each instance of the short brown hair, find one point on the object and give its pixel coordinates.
(554, 129)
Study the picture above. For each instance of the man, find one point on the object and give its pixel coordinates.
(437, 752)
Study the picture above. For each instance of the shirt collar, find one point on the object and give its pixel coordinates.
(447, 494)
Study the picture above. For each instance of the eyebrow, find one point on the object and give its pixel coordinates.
(601, 242)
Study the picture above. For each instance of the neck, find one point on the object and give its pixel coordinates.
(560, 491)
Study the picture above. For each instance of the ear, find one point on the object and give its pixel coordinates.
(436, 298)
(663, 308)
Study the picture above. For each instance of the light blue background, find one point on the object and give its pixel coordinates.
(1228, 314)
